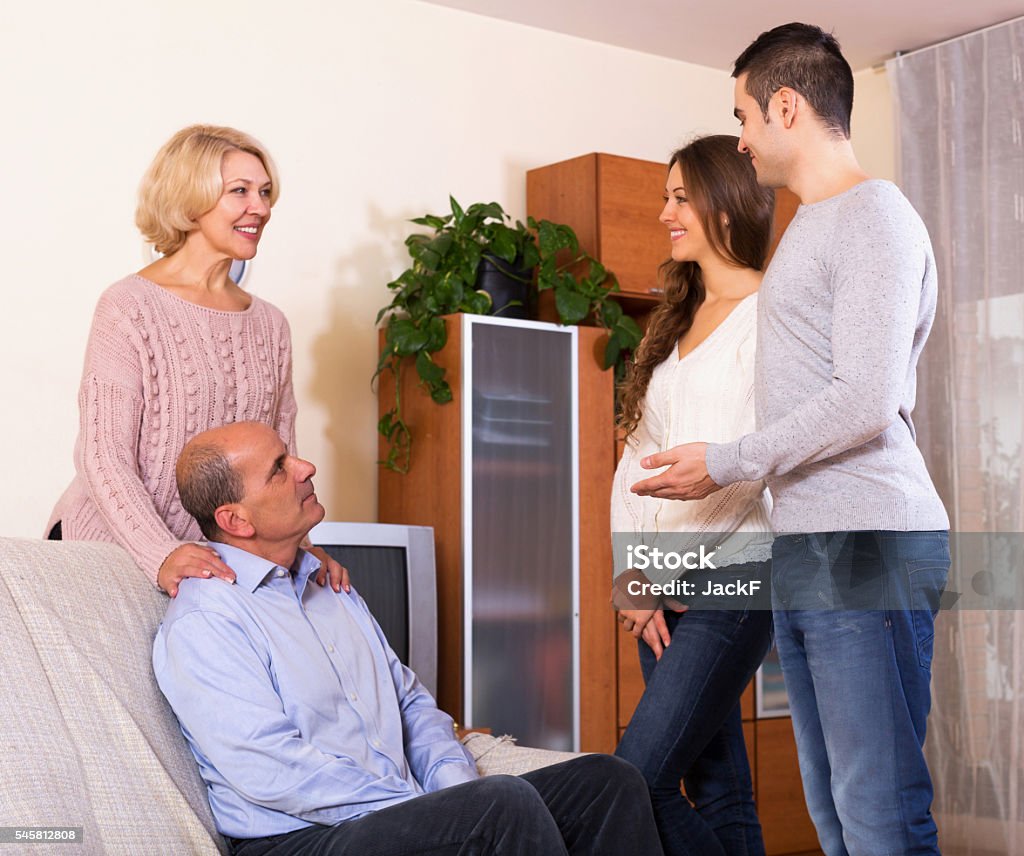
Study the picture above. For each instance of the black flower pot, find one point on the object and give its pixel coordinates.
(505, 283)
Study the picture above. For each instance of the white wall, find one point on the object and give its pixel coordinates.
(374, 112)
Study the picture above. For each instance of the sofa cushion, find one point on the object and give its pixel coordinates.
(86, 738)
(501, 756)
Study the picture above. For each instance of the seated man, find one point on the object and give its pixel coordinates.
(310, 735)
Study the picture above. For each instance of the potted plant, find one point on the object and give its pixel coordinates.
(445, 278)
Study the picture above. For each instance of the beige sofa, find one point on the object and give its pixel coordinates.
(86, 738)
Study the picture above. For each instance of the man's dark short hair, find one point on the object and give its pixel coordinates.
(206, 481)
(806, 59)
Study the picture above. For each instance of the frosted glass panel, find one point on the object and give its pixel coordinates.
(522, 533)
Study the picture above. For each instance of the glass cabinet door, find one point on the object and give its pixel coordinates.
(520, 526)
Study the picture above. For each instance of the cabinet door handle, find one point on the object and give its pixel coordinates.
(656, 290)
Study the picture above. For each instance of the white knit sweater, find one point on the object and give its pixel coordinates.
(708, 396)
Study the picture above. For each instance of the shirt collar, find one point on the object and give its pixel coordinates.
(251, 570)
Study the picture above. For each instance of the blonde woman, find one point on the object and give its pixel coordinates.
(176, 349)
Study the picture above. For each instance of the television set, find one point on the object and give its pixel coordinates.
(392, 568)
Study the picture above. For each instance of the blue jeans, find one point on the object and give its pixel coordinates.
(854, 625)
(688, 727)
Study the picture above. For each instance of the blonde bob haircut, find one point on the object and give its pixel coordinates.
(184, 181)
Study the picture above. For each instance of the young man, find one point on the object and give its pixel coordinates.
(861, 552)
(310, 735)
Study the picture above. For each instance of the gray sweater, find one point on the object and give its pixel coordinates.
(844, 311)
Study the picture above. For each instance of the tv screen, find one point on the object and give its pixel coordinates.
(392, 568)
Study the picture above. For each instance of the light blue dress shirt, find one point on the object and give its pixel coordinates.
(294, 705)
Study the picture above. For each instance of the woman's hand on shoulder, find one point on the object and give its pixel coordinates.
(191, 560)
(328, 566)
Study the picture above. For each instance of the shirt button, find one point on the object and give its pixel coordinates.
(330, 648)
(353, 697)
(281, 572)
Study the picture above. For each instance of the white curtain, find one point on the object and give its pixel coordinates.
(960, 121)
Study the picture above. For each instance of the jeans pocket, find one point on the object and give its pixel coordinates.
(927, 579)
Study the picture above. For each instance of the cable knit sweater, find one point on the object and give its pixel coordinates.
(708, 395)
(158, 371)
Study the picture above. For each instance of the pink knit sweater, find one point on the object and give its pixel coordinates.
(158, 371)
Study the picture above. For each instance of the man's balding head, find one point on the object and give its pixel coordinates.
(244, 488)
(206, 480)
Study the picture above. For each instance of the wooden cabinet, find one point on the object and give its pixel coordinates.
(779, 792)
(612, 203)
(458, 499)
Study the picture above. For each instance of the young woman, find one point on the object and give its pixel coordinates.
(176, 349)
(692, 379)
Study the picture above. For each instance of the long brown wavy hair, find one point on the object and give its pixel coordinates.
(719, 181)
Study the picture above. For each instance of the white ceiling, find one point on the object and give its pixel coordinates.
(713, 32)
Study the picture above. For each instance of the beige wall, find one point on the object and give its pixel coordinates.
(374, 112)
(872, 131)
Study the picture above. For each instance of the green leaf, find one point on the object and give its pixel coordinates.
(487, 211)
(404, 337)
(432, 221)
(572, 307)
(457, 210)
(610, 313)
(629, 332)
(478, 303)
(444, 292)
(474, 252)
(503, 245)
(437, 334)
(442, 394)
(548, 238)
(531, 257)
(425, 255)
(431, 305)
(569, 236)
(385, 427)
(429, 371)
(384, 360)
(441, 245)
(611, 352)
(546, 273)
